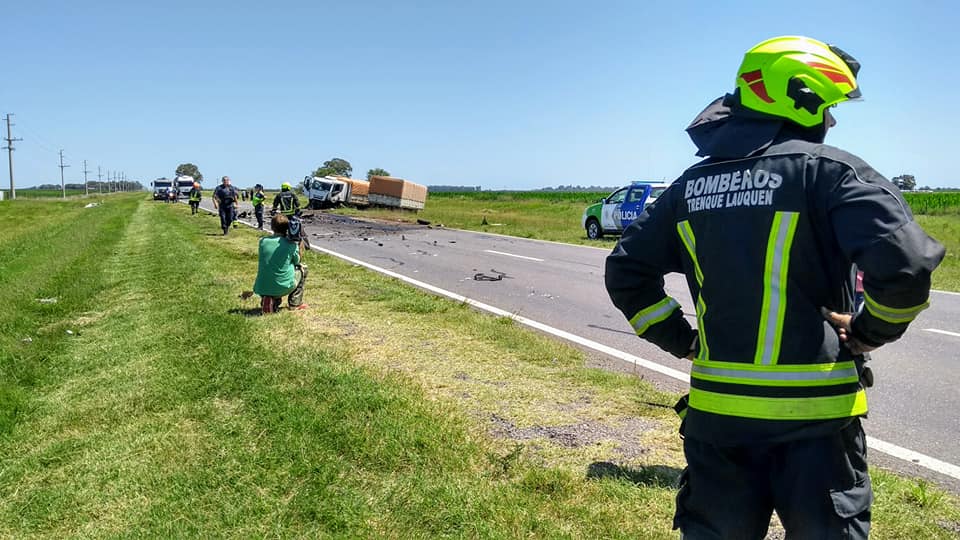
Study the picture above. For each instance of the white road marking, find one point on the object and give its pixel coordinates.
(906, 454)
(893, 450)
(945, 292)
(942, 332)
(512, 255)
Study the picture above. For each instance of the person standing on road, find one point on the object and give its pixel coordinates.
(226, 200)
(257, 199)
(287, 201)
(195, 196)
(279, 264)
(767, 229)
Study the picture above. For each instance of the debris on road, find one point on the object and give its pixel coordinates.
(47, 300)
(423, 221)
(480, 276)
(69, 332)
(92, 205)
(26, 340)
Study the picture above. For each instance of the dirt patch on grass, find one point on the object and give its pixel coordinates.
(624, 434)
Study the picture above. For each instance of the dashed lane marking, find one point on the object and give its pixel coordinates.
(955, 334)
(512, 255)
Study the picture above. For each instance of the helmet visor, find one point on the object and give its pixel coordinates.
(854, 66)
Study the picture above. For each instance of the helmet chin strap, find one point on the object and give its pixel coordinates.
(828, 120)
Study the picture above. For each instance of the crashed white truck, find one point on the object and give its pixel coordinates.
(330, 191)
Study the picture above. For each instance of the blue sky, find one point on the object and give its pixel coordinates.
(506, 95)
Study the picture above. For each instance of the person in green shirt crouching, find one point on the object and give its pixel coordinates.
(278, 269)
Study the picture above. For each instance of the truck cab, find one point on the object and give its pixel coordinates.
(183, 185)
(324, 192)
(160, 188)
(613, 213)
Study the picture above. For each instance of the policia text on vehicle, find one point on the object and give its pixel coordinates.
(767, 230)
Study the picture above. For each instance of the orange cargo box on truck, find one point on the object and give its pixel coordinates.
(397, 192)
(359, 190)
(357, 186)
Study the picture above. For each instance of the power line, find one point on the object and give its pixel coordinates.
(35, 137)
(86, 187)
(63, 187)
(9, 148)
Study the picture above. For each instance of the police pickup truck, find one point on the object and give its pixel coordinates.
(621, 208)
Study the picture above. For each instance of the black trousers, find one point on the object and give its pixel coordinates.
(194, 205)
(819, 487)
(258, 212)
(295, 298)
(228, 214)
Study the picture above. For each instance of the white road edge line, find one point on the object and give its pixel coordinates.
(916, 458)
(512, 255)
(955, 334)
(893, 450)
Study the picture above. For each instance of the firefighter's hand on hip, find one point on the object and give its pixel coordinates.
(842, 322)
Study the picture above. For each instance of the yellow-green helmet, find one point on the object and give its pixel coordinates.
(285, 186)
(796, 78)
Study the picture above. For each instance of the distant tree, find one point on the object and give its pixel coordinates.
(189, 169)
(334, 167)
(377, 172)
(905, 182)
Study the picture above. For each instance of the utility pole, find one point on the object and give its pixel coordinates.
(99, 179)
(9, 148)
(86, 187)
(63, 187)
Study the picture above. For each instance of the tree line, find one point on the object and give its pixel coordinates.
(332, 167)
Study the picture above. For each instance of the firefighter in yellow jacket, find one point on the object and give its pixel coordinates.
(194, 197)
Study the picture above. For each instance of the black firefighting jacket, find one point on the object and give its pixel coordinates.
(766, 230)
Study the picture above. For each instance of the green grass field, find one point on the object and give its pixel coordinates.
(42, 193)
(130, 407)
(557, 216)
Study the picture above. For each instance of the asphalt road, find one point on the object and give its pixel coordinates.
(913, 403)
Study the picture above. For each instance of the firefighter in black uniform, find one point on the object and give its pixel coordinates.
(286, 201)
(225, 200)
(767, 229)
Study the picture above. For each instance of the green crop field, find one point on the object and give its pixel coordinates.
(42, 193)
(130, 408)
(947, 202)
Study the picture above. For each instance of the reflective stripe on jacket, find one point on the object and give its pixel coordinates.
(287, 202)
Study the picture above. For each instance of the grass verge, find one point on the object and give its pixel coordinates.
(378, 412)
